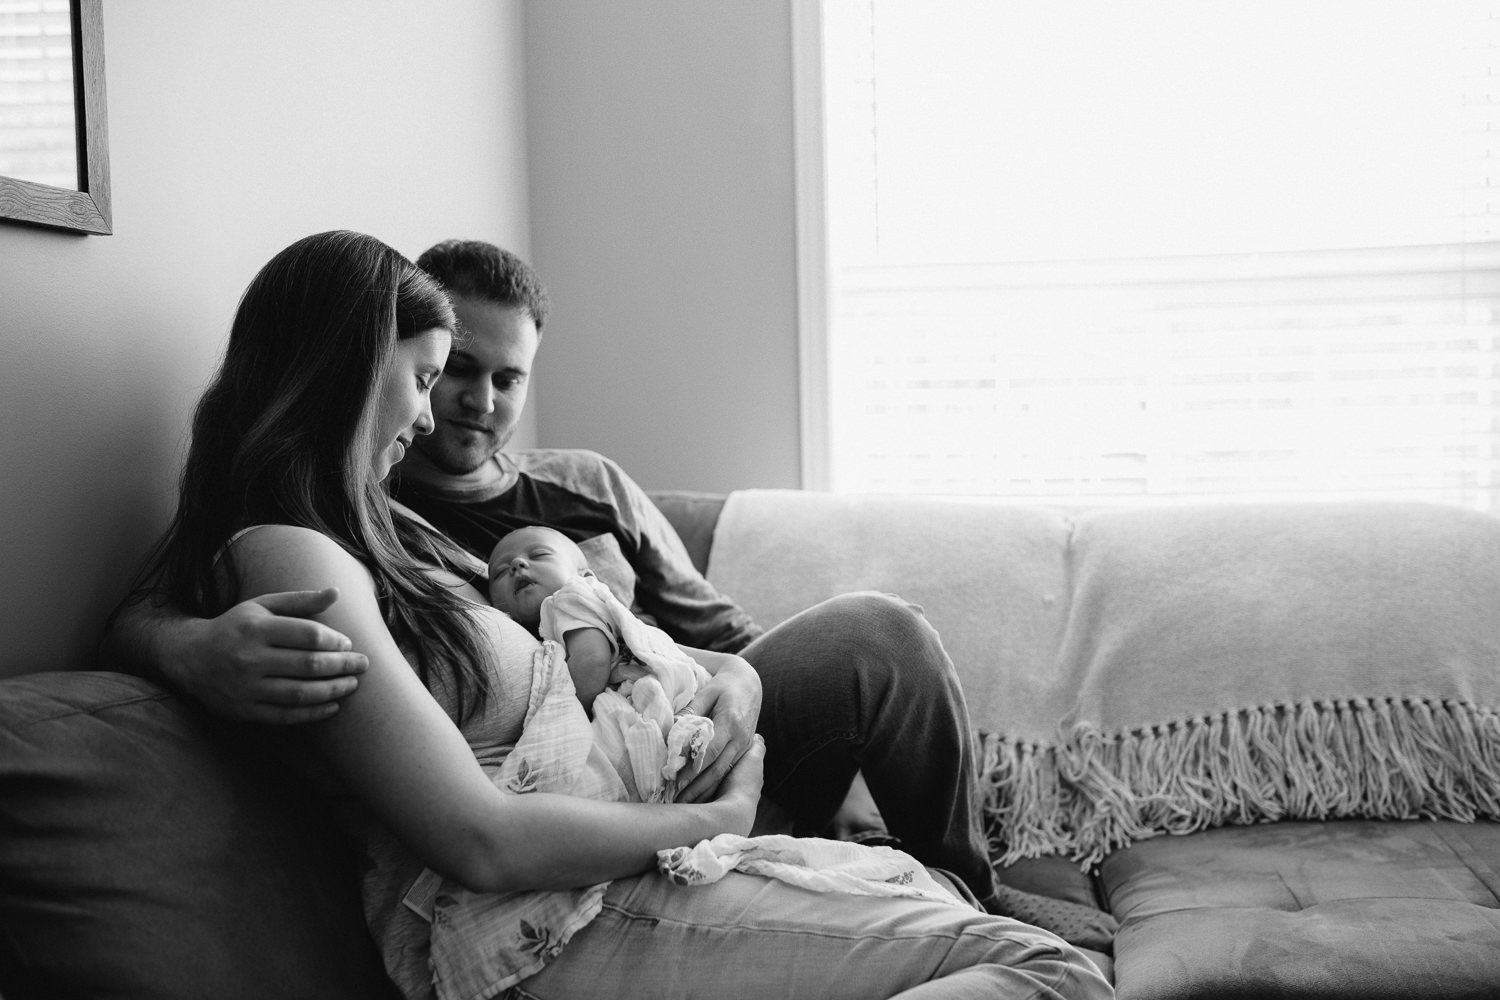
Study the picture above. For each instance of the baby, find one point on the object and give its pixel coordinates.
(625, 672)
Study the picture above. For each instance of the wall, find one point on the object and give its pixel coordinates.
(660, 149)
(234, 128)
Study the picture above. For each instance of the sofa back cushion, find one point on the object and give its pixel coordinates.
(991, 577)
(693, 514)
(146, 851)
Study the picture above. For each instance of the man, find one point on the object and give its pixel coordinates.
(858, 683)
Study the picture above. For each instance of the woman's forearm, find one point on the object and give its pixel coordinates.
(546, 841)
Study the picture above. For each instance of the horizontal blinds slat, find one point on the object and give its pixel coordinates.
(1334, 386)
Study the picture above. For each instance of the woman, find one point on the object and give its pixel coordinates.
(325, 382)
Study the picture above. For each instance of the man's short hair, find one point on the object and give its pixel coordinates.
(479, 270)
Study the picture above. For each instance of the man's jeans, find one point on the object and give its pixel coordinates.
(861, 682)
(755, 938)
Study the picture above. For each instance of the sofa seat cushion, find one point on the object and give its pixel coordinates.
(1345, 909)
(1050, 876)
(146, 851)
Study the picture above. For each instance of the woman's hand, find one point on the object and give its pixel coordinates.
(731, 699)
(739, 792)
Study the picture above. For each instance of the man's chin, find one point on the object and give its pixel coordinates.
(447, 461)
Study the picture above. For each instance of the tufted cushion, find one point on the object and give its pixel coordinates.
(145, 852)
(1051, 876)
(1345, 910)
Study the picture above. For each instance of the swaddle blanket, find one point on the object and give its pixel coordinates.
(648, 763)
(1136, 672)
(807, 862)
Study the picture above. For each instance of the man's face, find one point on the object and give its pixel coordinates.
(477, 402)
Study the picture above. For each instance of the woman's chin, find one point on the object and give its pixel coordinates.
(387, 461)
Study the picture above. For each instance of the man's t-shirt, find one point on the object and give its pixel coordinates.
(628, 542)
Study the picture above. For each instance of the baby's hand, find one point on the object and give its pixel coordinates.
(686, 742)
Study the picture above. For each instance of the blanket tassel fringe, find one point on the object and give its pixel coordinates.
(1359, 758)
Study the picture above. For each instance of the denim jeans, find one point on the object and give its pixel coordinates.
(755, 938)
(861, 682)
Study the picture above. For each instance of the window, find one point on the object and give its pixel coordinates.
(37, 138)
(1096, 252)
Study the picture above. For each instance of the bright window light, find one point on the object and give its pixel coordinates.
(1160, 250)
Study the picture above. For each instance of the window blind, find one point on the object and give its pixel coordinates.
(1163, 250)
(37, 138)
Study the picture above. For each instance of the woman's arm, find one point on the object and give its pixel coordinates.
(260, 661)
(395, 748)
(732, 700)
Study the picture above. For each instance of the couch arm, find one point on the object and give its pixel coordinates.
(147, 850)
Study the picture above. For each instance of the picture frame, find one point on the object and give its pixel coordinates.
(87, 209)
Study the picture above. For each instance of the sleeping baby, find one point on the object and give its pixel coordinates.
(625, 672)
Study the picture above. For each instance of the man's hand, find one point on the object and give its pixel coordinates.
(731, 699)
(264, 661)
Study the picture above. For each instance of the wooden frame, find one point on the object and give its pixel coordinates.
(87, 209)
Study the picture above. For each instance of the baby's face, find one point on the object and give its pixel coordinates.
(527, 566)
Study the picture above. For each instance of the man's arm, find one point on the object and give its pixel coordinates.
(260, 661)
(669, 587)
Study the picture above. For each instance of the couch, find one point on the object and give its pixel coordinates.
(1319, 821)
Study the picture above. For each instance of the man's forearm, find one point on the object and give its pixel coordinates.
(140, 638)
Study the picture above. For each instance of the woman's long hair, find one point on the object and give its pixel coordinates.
(284, 435)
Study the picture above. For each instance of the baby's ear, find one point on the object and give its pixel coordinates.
(586, 572)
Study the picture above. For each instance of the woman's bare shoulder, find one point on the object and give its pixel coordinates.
(275, 557)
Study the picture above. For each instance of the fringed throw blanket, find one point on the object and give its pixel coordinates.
(1384, 758)
(1141, 672)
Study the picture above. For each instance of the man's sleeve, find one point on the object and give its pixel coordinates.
(669, 587)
